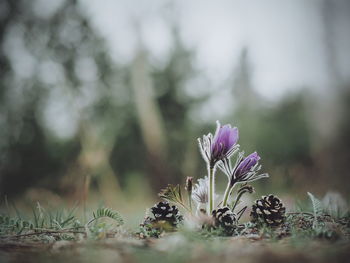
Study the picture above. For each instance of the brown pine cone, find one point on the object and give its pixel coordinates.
(225, 218)
(269, 209)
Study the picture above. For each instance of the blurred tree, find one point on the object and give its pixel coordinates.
(150, 120)
(25, 159)
(175, 106)
(279, 133)
(162, 110)
(340, 152)
(283, 135)
(62, 93)
(247, 102)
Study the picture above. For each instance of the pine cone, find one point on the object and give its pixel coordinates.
(225, 218)
(269, 210)
(165, 216)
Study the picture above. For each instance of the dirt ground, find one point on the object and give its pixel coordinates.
(176, 248)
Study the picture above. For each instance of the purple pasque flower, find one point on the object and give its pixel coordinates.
(222, 145)
(225, 139)
(246, 165)
(246, 169)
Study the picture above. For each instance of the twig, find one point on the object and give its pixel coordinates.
(45, 232)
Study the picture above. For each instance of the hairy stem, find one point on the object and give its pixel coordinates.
(189, 193)
(211, 189)
(227, 193)
(197, 209)
(237, 200)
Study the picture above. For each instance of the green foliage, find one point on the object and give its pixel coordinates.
(302, 227)
(45, 225)
(17, 225)
(57, 225)
(173, 194)
(244, 188)
(101, 230)
(107, 212)
(335, 205)
(41, 218)
(148, 231)
(211, 233)
(316, 206)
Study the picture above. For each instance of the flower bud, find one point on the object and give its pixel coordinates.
(225, 139)
(189, 184)
(247, 165)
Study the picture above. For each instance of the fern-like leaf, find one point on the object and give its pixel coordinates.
(173, 194)
(107, 212)
(316, 206)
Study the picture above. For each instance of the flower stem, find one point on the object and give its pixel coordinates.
(197, 209)
(227, 194)
(211, 189)
(190, 200)
(237, 199)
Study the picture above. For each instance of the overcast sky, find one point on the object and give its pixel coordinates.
(286, 39)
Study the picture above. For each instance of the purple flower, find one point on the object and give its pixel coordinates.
(247, 165)
(245, 170)
(224, 140)
(222, 145)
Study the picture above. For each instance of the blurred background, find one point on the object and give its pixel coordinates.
(102, 101)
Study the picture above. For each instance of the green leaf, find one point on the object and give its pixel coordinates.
(107, 212)
(316, 206)
(173, 194)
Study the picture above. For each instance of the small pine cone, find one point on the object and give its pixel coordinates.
(224, 217)
(164, 212)
(269, 210)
